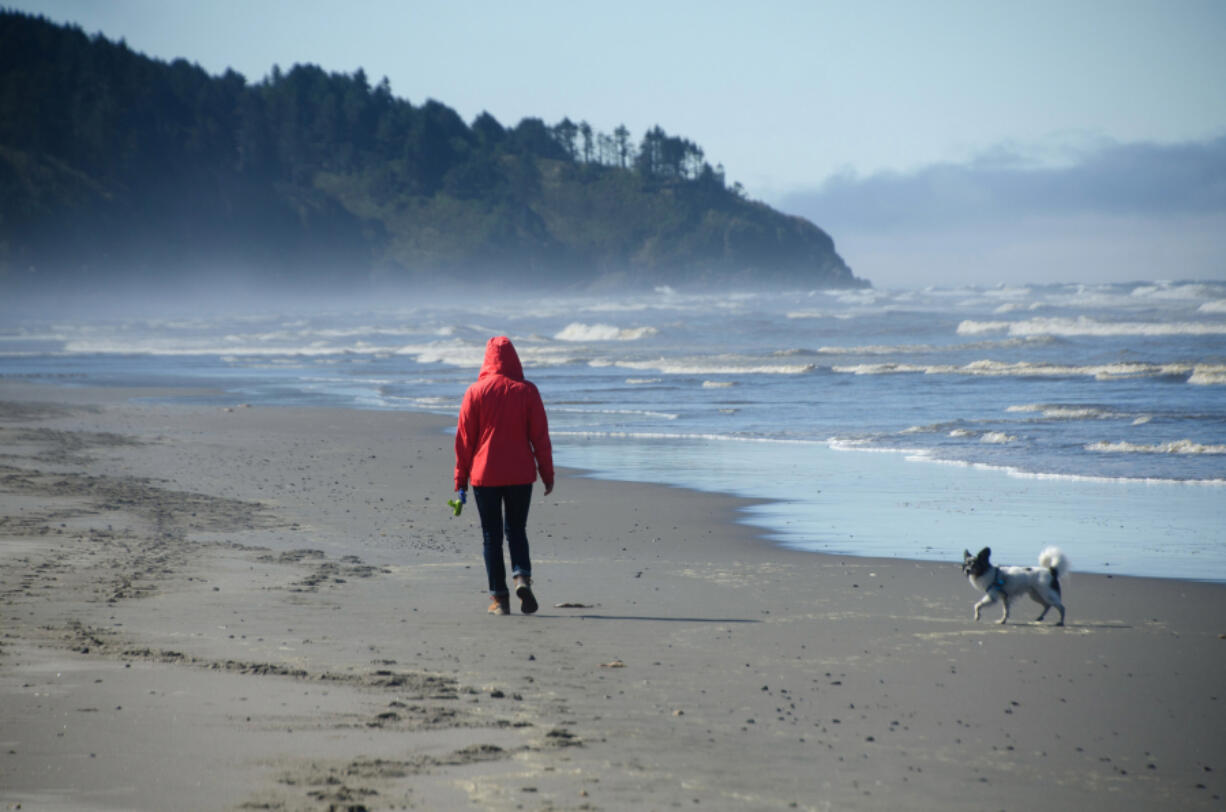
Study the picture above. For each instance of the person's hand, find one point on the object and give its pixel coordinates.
(548, 488)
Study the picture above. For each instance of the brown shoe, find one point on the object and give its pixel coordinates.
(523, 591)
(501, 605)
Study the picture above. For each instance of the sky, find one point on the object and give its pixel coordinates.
(937, 141)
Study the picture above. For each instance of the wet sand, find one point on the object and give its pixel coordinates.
(255, 608)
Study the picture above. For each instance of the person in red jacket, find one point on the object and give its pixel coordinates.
(501, 442)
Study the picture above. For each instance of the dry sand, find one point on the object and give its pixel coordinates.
(272, 609)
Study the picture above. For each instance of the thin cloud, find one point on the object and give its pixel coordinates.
(1139, 179)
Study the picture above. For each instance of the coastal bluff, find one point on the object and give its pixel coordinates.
(119, 168)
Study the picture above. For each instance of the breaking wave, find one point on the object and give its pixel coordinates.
(1085, 326)
(1056, 411)
(160, 347)
(997, 438)
(717, 365)
(680, 436)
(1208, 375)
(924, 349)
(1194, 373)
(1174, 447)
(926, 455)
(619, 412)
(578, 331)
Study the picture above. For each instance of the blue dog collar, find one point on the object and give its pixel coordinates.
(998, 582)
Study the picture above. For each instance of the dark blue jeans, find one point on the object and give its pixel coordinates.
(491, 504)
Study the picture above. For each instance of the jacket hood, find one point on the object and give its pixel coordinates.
(501, 359)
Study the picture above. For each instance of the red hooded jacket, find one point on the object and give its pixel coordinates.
(502, 437)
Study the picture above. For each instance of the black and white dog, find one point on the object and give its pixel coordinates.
(1042, 583)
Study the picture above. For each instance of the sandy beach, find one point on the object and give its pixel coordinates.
(266, 609)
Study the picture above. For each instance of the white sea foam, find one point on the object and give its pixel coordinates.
(1086, 326)
(1068, 412)
(642, 381)
(429, 404)
(1216, 306)
(470, 355)
(1029, 369)
(1191, 290)
(874, 349)
(997, 438)
(349, 332)
(718, 384)
(926, 349)
(972, 328)
(452, 353)
(1018, 473)
(860, 444)
(990, 437)
(577, 331)
(1013, 307)
(161, 347)
(1208, 374)
(716, 365)
(625, 412)
(928, 456)
(679, 436)
(1173, 447)
(882, 369)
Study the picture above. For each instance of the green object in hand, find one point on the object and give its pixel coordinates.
(456, 506)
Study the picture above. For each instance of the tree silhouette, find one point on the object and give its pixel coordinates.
(108, 156)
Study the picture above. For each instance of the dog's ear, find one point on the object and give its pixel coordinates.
(985, 554)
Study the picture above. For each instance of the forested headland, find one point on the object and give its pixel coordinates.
(118, 167)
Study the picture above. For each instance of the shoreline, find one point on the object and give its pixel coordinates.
(264, 608)
(883, 504)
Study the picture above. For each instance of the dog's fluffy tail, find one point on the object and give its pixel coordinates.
(1052, 558)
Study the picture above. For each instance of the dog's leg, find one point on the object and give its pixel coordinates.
(1050, 599)
(1004, 618)
(1045, 601)
(986, 600)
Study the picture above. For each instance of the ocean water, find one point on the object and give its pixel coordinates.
(904, 423)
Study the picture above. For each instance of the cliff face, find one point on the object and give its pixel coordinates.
(115, 166)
